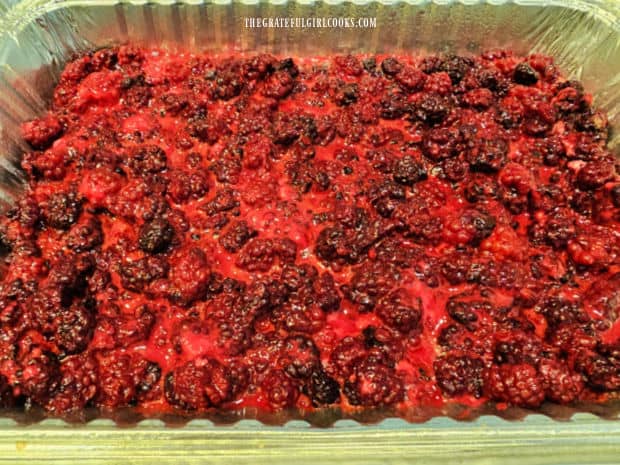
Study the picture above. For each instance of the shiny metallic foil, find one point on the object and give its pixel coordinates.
(37, 37)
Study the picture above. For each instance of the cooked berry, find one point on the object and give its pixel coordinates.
(75, 328)
(615, 195)
(601, 373)
(440, 143)
(235, 237)
(489, 156)
(191, 277)
(148, 159)
(346, 354)
(561, 384)
(322, 389)
(525, 74)
(228, 84)
(594, 174)
(460, 375)
(148, 388)
(400, 310)
(431, 108)
(370, 283)
(391, 66)
(369, 64)
(300, 358)
(409, 171)
(519, 349)
(197, 385)
(6, 393)
(39, 375)
(346, 94)
(260, 254)
(453, 169)
(78, 384)
(603, 296)
(138, 274)
(411, 79)
(326, 294)
(85, 235)
(373, 384)
(42, 132)
(558, 312)
(279, 390)
(394, 105)
(330, 243)
(466, 312)
(456, 67)
(155, 236)
(558, 231)
(471, 227)
(62, 210)
(223, 201)
(185, 186)
(518, 385)
(479, 188)
(133, 328)
(121, 379)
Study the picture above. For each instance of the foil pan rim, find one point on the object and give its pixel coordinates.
(15, 18)
(23, 13)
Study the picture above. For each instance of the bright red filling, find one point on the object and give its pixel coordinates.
(237, 231)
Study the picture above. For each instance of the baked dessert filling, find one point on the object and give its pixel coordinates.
(222, 232)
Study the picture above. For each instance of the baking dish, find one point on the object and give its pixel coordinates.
(37, 37)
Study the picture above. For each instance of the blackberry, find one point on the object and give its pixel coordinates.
(6, 393)
(391, 66)
(155, 236)
(431, 108)
(235, 237)
(198, 385)
(148, 159)
(519, 385)
(558, 312)
(300, 358)
(601, 373)
(410, 79)
(400, 310)
(594, 174)
(322, 389)
(615, 195)
(458, 375)
(456, 67)
(373, 385)
(561, 384)
(75, 329)
(346, 94)
(41, 133)
(85, 235)
(136, 275)
(408, 171)
(466, 312)
(77, 386)
(260, 254)
(39, 376)
(489, 156)
(280, 390)
(524, 74)
(62, 210)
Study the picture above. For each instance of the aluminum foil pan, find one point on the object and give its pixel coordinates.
(37, 37)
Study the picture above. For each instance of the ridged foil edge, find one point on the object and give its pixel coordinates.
(441, 441)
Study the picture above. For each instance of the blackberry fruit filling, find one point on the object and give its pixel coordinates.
(221, 232)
